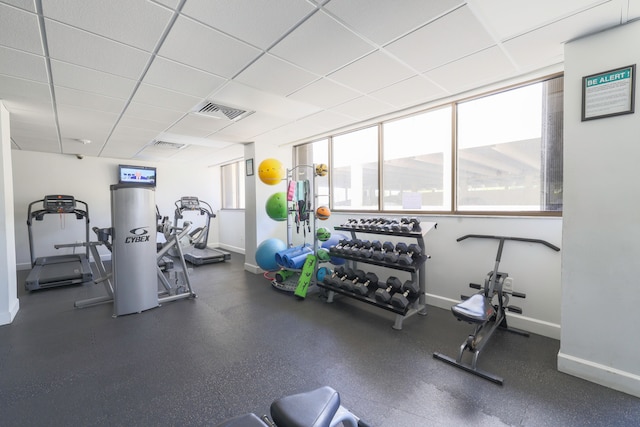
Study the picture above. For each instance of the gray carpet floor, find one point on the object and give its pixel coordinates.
(241, 344)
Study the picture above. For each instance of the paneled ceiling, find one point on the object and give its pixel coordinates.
(125, 74)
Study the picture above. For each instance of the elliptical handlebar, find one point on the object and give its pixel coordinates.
(520, 239)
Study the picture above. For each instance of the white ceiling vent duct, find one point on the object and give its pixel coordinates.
(219, 111)
(168, 145)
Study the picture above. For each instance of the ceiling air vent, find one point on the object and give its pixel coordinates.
(219, 111)
(168, 145)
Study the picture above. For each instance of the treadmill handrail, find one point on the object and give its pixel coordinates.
(79, 213)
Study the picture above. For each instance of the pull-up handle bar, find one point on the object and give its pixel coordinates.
(520, 239)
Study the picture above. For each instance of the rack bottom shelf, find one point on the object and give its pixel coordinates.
(401, 314)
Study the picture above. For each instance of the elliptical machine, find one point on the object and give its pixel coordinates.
(194, 245)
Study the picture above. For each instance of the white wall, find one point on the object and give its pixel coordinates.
(9, 304)
(601, 236)
(38, 174)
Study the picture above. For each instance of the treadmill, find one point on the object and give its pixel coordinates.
(198, 252)
(58, 270)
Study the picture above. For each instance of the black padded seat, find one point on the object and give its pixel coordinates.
(314, 408)
(476, 309)
(248, 420)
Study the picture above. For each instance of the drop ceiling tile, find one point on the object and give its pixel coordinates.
(382, 21)
(88, 80)
(324, 93)
(149, 112)
(32, 138)
(200, 123)
(363, 108)
(75, 148)
(180, 78)
(262, 23)
(247, 128)
(327, 120)
(31, 113)
(274, 75)
(135, 23)
(498, 14)
(95, 52)
(18, 90)
(91, 101)
(78, 123)
(28, 5)
(138, 123)
(168, 3)
(451, 37)
(122, 149)
(20, 30)
(292, 132)
(21, 64)
(372, 72)
(321, 45)
(133, 135)
(196, 45)
(162, 98)
(545, 46)
(413, 91)
(488, 66)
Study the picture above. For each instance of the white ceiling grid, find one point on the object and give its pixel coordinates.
(125, 73)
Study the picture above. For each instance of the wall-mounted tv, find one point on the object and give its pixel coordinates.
(143, 175)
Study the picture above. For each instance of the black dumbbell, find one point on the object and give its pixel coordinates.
(342, 245)
(363, 250)
(367, 248)
(408, 254)
(380, 255)
(391, 254)
(385, 290)
(365, 284)
(353, 247)
(330, 279)
(347, 282)
(410, 290)
(410, 224)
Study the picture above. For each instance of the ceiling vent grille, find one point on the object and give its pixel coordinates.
(168, 145)
(212, 109)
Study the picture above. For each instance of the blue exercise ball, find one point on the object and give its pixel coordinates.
(332, 241)
(266, 253)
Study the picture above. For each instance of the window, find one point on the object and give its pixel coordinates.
(416, 172)
(354, 175)
(509, 153)
(233, 185)
(500, 153)
(312, 154)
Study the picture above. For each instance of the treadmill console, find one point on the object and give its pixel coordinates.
(189, 203)
(59, 204)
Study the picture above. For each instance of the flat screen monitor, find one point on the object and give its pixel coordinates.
(143, 175)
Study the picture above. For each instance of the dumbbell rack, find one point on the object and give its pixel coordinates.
(417, 270)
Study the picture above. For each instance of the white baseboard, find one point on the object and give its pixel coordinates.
(607, 376)
(517, 321)
(251, 268)
(8, 316)
(229, 248)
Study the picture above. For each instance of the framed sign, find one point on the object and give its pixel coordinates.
(610, 93)
(249, 167)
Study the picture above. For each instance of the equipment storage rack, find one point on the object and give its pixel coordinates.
(417, 271)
